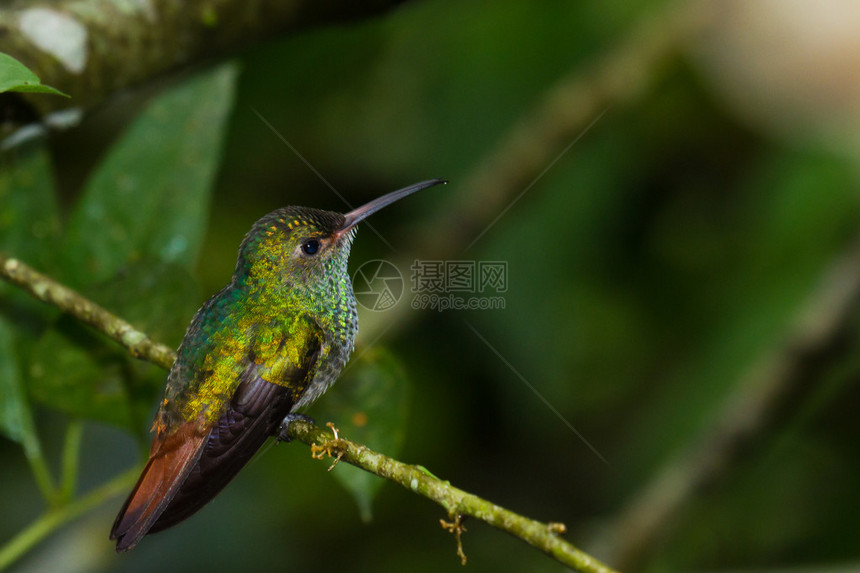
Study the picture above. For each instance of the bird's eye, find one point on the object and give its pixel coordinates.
(311, 247)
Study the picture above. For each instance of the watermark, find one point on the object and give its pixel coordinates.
(378, 285)
(435, 284)
(459, 285)
(441, 302)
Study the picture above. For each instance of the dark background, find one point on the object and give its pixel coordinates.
(652, 269)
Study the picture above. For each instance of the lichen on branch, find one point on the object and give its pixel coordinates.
(456, 502)
(92, 49)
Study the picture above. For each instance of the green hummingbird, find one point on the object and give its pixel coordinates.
(256, 353)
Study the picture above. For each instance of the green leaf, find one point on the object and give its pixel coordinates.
(159, 298)
(16, 77)
(15, 420)
(150, 195)
(29, 228)
(369, 405)
(77, 371)
(29, 219)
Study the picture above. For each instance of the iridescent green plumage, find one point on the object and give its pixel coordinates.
(280, 308)
(267, 345)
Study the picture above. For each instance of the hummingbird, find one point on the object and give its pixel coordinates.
(255, 354)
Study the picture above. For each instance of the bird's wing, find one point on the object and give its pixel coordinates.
(158, 483)
(190, 466)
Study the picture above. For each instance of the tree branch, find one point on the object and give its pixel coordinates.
(771, 390)
(101, 37)
(562, 115)
(50, 291)
(456, 502)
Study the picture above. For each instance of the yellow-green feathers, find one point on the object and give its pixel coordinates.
(287, 317)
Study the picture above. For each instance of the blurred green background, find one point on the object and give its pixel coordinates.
(649, 269)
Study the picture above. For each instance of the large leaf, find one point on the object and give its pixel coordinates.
(77, 371)
(15, 420)
(150, 195)
(159, 298)
(29, 222)
(16, 77)
(368, 405)
(29, 227)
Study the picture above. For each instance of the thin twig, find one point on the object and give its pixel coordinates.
(560, 117)
(39, 466)
(52, 519)
(50, 291)
(563, 115)
(770, 390)
(71, 455)
(620, 78)
(544, 536)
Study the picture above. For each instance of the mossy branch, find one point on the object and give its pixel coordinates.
(773, 389)
(456, 502)
(616, 80)
(52, 519)
(102, 38)
(50, 291)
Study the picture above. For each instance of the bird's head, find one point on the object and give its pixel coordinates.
(300, 246)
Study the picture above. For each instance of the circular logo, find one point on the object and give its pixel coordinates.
(378, 285)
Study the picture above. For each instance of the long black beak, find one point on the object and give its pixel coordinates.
(355, 216)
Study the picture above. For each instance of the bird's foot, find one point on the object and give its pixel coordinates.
(284, 430)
